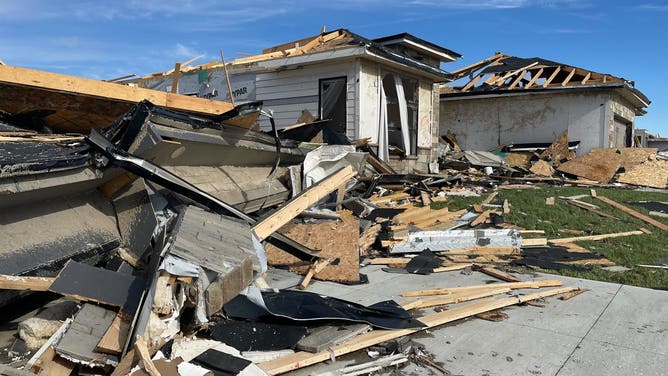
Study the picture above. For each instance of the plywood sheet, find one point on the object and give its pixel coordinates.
(558, 151)
(649, 174)
(599, 165)
(542, 168)
(519, 159)
(334, 239)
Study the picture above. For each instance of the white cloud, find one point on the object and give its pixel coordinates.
(654, 7)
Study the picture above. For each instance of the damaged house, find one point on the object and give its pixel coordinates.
(382, 89)
(510, 100)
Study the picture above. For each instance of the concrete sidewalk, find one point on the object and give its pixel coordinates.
(611, 330)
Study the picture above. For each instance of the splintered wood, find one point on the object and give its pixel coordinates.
(602, 164)
(558, 151)
(649, 174)
(334, 239)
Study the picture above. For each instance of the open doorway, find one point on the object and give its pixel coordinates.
(333, 105)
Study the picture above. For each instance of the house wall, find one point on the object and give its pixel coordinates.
(289, 92)
(484, 123)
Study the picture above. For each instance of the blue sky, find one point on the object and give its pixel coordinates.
(106, 39)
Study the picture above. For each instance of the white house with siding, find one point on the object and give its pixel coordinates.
(383, 89)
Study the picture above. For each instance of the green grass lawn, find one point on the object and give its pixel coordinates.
(529, 211)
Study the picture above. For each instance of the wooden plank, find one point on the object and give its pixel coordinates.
(552, 76)
(302, 202)
(391, 197)
(126, 364)
(506, 207)
(586, 78)
(472, 82)
(453, 298)
(496, 273)
(482, 218)
(50, 364)
(573, 294)
(489, 198)
(503, 78)
(595, 237)
(303, 359)
(633, 213)
(112, 91)
(588, 207)
(389, 260)
(405, 216)
(11, 282)
(568, 78)
(533, 242)
(517, 80)
(534, 78)
(115, 337)
(492, 286)
(145, 357)
(450, 268)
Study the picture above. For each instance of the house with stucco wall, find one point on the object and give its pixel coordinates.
(505, 100)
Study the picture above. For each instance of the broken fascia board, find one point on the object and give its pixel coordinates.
(458, 239)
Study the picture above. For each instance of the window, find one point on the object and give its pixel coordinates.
(401, 95)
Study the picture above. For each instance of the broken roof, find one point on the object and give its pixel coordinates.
(347, 44)
(504, 74)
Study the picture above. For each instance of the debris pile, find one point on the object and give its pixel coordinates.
(156, 233)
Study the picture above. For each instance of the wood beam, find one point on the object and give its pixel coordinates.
(594, 237)
(11, 282)
(518, 79)
(633, 213)
(552, 76)
(472, 82)
(512, 73)
(86, 87)
(586, 78)
(302, 202)
(568, 78)
(534, 78)
(461, 72)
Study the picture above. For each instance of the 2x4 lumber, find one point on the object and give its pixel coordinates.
(533, 242)
(517, 80)
(586, 78)
(595, 237)
(114, 338)
(534, 78)
(303, 201)
(405, 216)
(461, 72)
(472, 83)
(450, 268)
(108, 90)
(496, 273)
(435, 215)
(142, 350)
(633, 213)
(11, 282)
(503, 78)
(573, 293)
(392, 197)
(552, 76)
(484, 216)
(568, 78)
(454, 298)
(304, 359)
(490, 197)
(493, 286)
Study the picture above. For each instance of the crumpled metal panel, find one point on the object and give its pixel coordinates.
(458, 239)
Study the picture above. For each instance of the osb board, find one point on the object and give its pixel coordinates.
(558, 151)
(598, 166)
(542, 168)
(334, 240)
(649, 174)
(519, 159)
